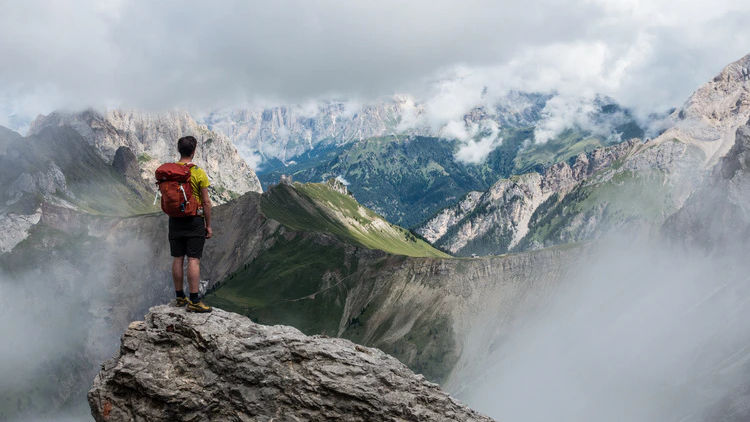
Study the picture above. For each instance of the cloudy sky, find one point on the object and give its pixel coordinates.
(201, 55)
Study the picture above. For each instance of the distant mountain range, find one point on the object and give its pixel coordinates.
(152, 137)
(408, 177)
(285, 133)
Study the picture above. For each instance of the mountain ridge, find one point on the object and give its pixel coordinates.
(152, 138)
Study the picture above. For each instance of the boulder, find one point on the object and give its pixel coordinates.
(178, 366)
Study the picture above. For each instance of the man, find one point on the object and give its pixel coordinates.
(188, 234)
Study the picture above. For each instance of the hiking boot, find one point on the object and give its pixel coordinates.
(198, 306)
(181, 301)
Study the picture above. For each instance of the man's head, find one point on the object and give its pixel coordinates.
(186, 145)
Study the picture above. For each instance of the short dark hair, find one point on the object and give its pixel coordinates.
(186, 145)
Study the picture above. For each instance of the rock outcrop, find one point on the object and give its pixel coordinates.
(221, 366)
(126, 164)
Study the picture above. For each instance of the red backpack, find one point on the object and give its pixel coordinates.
(176, 193)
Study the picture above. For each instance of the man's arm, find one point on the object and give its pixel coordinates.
(206, 201)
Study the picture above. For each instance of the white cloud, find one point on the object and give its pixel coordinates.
(342, 180)
(253, 159)
(562, 112)
(476, 151)
(646, 54)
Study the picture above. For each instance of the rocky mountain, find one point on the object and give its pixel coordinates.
(287, 131)
(400, 161)
(152, 138)
(57, 166)
(175, 366)
(534, 210)
(499, 218)
(716, 220)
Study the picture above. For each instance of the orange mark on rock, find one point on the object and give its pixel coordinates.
(106, 408)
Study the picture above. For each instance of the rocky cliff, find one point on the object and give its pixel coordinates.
(177, 366)
(717, 215)
(152, 138)
(57, 166)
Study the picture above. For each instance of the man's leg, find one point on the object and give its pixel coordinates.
(177, 273)
(194, 252)
(194, 274)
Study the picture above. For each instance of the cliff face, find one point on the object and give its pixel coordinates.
(717, 215)
(221, 366)
(57, 166)
(152, 137)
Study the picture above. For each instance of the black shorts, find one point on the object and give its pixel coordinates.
(187, 236)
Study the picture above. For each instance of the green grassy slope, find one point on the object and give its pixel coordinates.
(315, 207)
(566, 145)
(299, 281)
(328, 247)
(627, 196)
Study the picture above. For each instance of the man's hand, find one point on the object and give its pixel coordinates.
(206, 201)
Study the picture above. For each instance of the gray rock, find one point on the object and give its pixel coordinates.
(126, 163)
(222, 366)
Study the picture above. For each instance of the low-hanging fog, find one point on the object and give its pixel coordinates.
(638, 331)
(66, 298)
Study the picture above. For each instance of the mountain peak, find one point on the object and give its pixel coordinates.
(712, 114)
(737, 71)
(180, 366)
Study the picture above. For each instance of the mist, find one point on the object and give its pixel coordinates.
(66, 298)
(638, 330)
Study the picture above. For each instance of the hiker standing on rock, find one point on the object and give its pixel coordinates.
(184, 197)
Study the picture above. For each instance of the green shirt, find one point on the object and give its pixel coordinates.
(198, 181)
